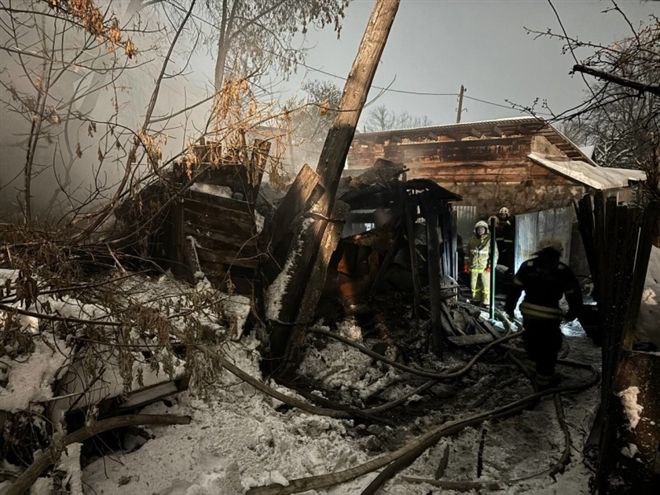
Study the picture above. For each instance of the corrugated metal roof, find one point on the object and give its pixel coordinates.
(595, 177)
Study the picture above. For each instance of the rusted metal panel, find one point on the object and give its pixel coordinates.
(533, 228)
(466, 217)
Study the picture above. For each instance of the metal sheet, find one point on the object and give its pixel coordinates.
(466, 217)
(533, 228)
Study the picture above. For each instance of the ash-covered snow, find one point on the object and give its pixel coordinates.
(237, 441)
(241, 438)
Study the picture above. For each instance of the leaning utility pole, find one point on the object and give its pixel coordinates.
(460, 105)
(308, 254)
(356, 89)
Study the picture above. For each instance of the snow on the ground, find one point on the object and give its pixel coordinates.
(241, 438)
(236, 441)
(70, 464)
(30, 377)
(648, 327)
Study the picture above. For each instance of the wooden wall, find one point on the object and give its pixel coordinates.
(488, 173)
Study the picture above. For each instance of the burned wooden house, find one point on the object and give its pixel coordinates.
(523, 163)
(391, 220)
(201, 218)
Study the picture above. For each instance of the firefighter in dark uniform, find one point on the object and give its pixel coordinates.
(545, 280)
(505, 234)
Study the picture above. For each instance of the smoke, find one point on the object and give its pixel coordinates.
(87, 102)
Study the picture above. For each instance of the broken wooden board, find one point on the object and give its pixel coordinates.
(276, 238)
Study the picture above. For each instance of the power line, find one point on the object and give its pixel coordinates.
(381, 88)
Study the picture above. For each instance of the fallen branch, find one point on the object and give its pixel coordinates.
(52, 454)
(400, 400)
(353, 411)
(66, 319)
(402, 457)
(292, 401)
(621, 81)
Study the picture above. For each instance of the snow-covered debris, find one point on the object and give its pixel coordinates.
(237, 309)
(212, 189)
(30, 380)
(631, 408)
(70, 464)
(629, 450)
(236, 441)
(6, 274)
(350, 329)
(259, 221)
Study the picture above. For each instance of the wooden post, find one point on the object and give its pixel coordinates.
(491, 255)
(460, 104)
(430, 211)
(340, 135)
(410, 214)
(303, 256)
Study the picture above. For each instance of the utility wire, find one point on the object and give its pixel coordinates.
(383, 89)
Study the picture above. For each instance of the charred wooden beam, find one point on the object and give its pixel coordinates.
(303, 257)
(430, 212)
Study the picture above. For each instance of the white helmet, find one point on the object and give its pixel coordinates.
(504, 211)
(481, 223)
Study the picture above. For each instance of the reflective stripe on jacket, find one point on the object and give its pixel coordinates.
(537, 311)
(479, 253)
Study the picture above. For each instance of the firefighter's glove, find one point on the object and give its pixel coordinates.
(487, 270)
(466, 268)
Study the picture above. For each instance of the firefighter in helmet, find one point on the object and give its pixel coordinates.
(478, 262)
(505, 235)
(545, 279)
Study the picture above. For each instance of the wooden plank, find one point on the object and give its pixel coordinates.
(231, 239)
(201, 201)
(315, 285)
(430, 213)
(247, 246)
(226, 257)
(219, 219)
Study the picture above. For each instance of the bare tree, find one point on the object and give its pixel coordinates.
(257, 33)
(382, 118)
(621, 115)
